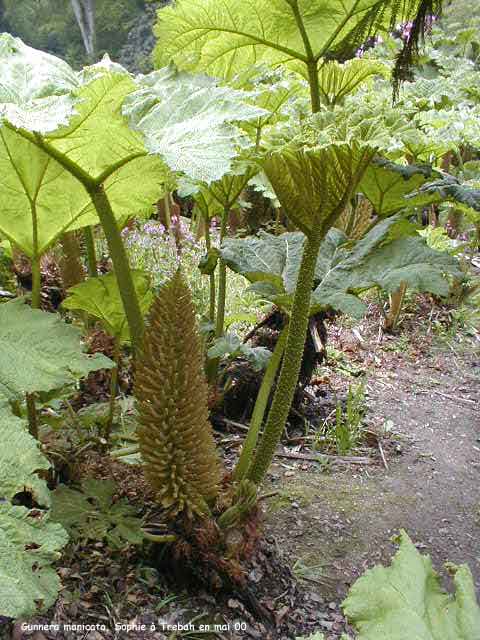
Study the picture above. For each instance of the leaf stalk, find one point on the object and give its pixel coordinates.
(295, 342)
(259, 410)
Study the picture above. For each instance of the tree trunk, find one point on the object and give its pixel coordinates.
(84, 11)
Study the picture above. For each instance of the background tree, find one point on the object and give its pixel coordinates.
(84, 11)
(51, 25)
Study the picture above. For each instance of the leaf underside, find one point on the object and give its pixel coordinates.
(315, 185)
(224, 37)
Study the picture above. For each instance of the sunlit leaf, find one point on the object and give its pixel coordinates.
(223, 37)
(406, 600)
(35, 87)
(188, 120)
(100, 297)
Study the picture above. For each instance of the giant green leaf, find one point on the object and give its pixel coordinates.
(100, 297)
(272, 264)
(40, 352)
(188, 120)
(276, 259)
(359, 120)
(389, 254)
(40, 200)
(215, 198)
(29, 542)
(99, 140)
(20, 460)
(314, 185)
(98, 136)
(223, 37)
(379, 262)
(406, 601)
(387, 185)
(35, 87)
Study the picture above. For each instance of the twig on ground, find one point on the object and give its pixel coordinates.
(324, 456)
(380, 448)
(453, 398)
(239, 425)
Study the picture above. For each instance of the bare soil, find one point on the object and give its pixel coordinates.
(335, 525)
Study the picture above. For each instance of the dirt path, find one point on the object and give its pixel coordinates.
(340, 523)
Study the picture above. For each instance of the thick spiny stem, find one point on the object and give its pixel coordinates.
(120, 264)
(292, 360)
(259, 409)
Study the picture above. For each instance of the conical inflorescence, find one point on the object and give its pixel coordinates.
(175, 435)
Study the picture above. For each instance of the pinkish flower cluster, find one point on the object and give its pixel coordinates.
(152, 234)
(369, 44)
(405, 30)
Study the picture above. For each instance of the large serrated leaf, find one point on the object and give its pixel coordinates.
(389, 254)
(224, 37)
(315, 185)
(29, 543)
(272, 263)
(40, 352)
(91, 514)
(100, 297)
(35, 87)
(382, 260)
(98, 135)
(39, 199)
(20, 460)
(187, 120)
(406, 601)
(264, 258)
